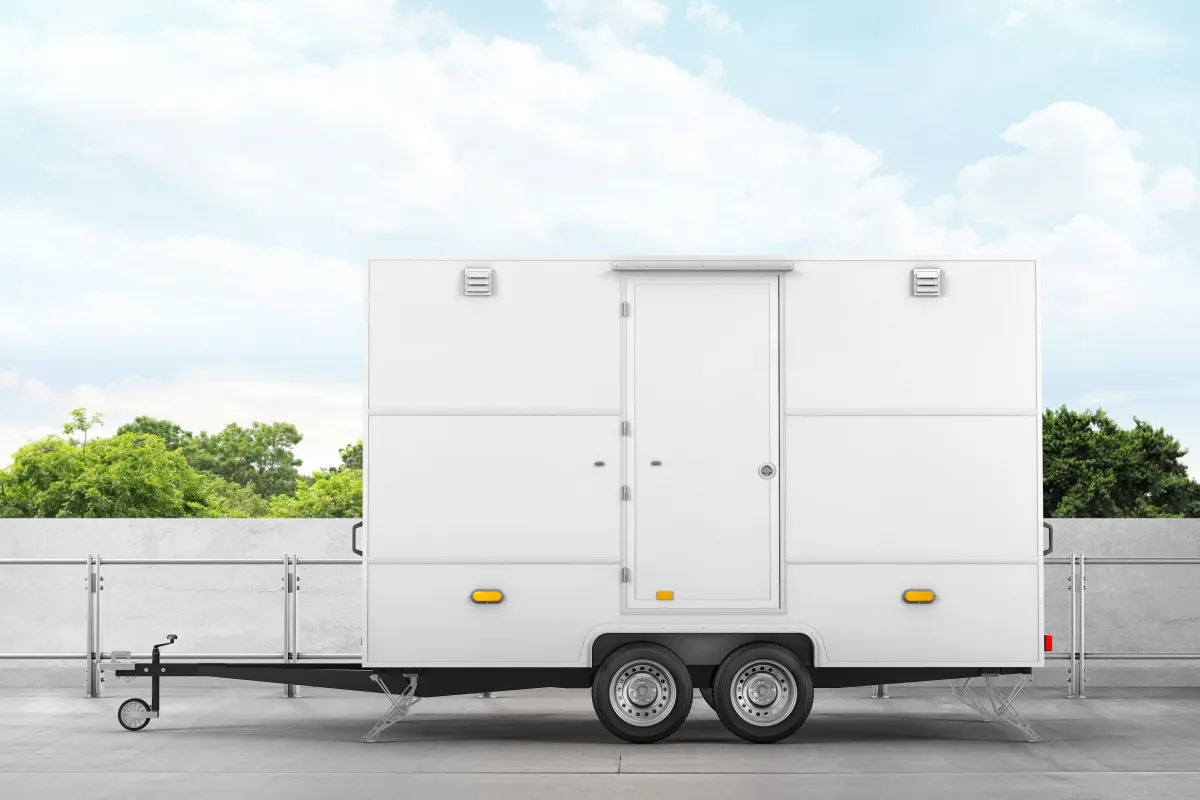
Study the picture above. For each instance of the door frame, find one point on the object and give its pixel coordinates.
(629, 602)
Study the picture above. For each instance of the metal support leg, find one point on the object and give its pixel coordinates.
(879, 691)
(962, 689)
(400, 706)
(1003, 706)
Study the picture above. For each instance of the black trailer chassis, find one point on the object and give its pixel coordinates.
(135, 714)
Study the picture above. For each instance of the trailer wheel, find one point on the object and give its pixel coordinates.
(134, 714)
(763, 693)
(642, 693)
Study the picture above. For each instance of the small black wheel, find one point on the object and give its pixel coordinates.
(642, 693)
(763, 693)
(134, 714)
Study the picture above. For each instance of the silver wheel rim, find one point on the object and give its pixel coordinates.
(763, 693)
(642, 693)
(132, 714)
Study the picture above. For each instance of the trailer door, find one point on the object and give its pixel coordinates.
(702, 457)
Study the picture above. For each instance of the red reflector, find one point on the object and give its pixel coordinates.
(1049, 642)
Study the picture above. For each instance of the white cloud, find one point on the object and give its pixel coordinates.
(612, 16)
(426, 133)
(1015, 18)
(1098, 22)
(714, 69)
(1077, 197)
(709, 14)
(9, 378)
(1074, 160)
(489, 143)
(327, 413)
(72, 279)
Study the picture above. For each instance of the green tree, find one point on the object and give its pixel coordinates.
(1092, 467)
(352, 457)
(225, 499)
(131, 475)
(173, 436)
(80, 422)
(260, 457)
(327, 495)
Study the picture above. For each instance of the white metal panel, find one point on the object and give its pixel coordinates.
(858, 339)
(499, 486)
(548, 337)
(423, 615)
(917, 488)
(703, 405)
(984, 614)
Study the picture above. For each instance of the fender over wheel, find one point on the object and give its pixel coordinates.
(763, 693)
(642, 693)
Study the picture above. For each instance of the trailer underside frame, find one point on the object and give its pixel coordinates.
(420, 683)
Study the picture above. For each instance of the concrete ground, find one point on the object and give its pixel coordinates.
(244, 740)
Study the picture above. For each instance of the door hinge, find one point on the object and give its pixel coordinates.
(624, 574)
(625, 308)
(624, 428)
(624, 492)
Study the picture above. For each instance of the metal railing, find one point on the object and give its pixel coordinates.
(93, 583)
(1078, 654)
(290, 653)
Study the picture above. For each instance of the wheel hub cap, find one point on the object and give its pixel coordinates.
(642, 693)
(764, 693)
(762, 690)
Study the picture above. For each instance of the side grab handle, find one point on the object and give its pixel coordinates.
(1050, 530)
(354, 538)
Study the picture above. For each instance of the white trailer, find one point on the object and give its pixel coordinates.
(658, 465)
(750, 477)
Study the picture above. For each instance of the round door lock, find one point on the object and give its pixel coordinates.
(766, 471)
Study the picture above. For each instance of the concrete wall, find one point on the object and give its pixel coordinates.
(236, 609)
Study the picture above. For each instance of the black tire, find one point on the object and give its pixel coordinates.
(133, 704)
(662, 681)
(782, 679)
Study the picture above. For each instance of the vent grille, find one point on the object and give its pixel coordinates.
(477, 282)
(927, 282)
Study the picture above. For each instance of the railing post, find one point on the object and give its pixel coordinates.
(97, 673)
(1082, 628)
(295, 633)
(1071, 660)
(93, 584)
(290, 586)
(89, 583)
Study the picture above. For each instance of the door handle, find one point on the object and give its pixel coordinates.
(767, 471)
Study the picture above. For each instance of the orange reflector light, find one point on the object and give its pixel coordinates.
(664, 595)
(918, 596)
(487, 596)
(1049, 643)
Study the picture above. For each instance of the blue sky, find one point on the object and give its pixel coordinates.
(188, 190)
